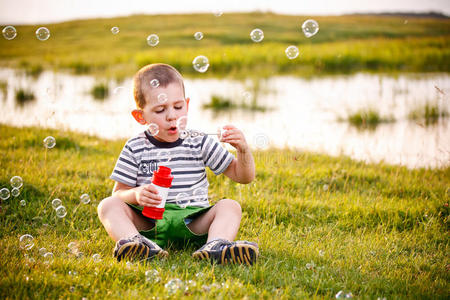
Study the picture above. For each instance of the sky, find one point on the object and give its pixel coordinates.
(51, 11)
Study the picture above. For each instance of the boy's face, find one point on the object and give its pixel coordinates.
(164, 114)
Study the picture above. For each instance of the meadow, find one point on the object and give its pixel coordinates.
(344, 44)
(323, 224)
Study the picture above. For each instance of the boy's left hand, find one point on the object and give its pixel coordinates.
(235, 138)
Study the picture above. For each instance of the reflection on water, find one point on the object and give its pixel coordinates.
(304, 113)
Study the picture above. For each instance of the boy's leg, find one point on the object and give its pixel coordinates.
(123, 226)
(221, 223)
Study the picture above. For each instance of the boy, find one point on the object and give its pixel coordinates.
(214, 227)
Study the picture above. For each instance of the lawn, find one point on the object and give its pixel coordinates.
(323, 224)
(344, 44)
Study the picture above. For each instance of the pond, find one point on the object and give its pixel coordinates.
(303, 113)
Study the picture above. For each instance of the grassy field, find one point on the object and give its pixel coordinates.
(344, 44)
(323, 225)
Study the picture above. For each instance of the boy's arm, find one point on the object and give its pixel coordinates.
(242, 168)
(144, 195)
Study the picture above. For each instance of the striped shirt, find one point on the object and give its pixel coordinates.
(187, 158)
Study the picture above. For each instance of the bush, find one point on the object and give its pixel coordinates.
(100, 91)
(24, 96)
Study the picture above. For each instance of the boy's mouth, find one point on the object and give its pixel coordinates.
(172, 130)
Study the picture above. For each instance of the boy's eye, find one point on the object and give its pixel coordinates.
(178, 107)
(159, 111)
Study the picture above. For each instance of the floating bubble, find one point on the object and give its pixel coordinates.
(217, 13)
(9, 32)
(56, 203)
(247, 96)
(42, 33)
(162, 98)
(321, 253)
(26, 241)
(221, 131)
(310, 265)
(152, 40)
(257, 35)
(201, 64)
(194, 133)
(73, 273)
(72, 245)
(325, 187)
(153, 129)
(310, 28)
(343, 295)
(96, 257)
(4, 194)
(48, 257)
(200, 193)
(85, 198)
(42, 251)
(198, 35)
(163, 155)
(292, 52)
(144, 168)
(184, 134)
(174, 285)
(23, 202)
(182, 123)
(182, 200)
(118, 90)
(16, 182)
(15, 192)
(115, 30)
(49, 142)
(61, 211)
(154, 83)
(152, 276)
(261, 140)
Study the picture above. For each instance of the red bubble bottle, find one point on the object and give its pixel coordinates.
(162, 180)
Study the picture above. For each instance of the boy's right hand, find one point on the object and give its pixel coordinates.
(147, 195)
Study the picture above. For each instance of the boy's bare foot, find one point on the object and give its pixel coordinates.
(137, 247)
(223, 252)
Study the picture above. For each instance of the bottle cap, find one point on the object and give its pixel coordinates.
(162, 177)
(153, 212)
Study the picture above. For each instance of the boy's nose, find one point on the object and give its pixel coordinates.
(171, 115)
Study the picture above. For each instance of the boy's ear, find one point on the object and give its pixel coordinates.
(187, 103)
(137, 115)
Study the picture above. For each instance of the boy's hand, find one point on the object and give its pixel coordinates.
(147, 195)
(235, 138)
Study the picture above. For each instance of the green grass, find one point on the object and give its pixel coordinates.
(367, 118)
(100, 91)
(23, 96)
(219, 103)
(373, 229)
(344, 44)
(430, 113)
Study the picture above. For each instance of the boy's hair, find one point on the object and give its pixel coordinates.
(165, 74)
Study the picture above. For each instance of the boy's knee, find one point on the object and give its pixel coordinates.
(105, 205)
(231, 205)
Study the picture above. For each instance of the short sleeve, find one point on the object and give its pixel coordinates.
(215, 156)
(126, 168)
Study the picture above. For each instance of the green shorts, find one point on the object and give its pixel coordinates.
(172, 230)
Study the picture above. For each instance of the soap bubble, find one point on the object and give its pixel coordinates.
(73, 273)
(42, 251)
(152, 275)
(200, 193)
(321, 253)
(16, 182)
(184, 134)
(9, 32)
(15, 192)
(217, 13)
(343, 295)
(154, 83)
(152, 40)
(72, 246)
(48, 257)
(162, 98)
(173, 285)
(118, 90)
(115, 30)
(221, 132)
(56, 203)
(49, 142)
(201, 64)
(257, 35)
(292, 52)
(85, 198)
(23, 202)
(61, 211)
(182, 200)
(42, 33)
(26, 241)
(182, 123)
(163, 155)
(247, 95)
(261, 140)
(4, 194)
(194, 133)
(96, 257)
(144, 168)
(153, 129)
(198, 35)
(310, 28)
